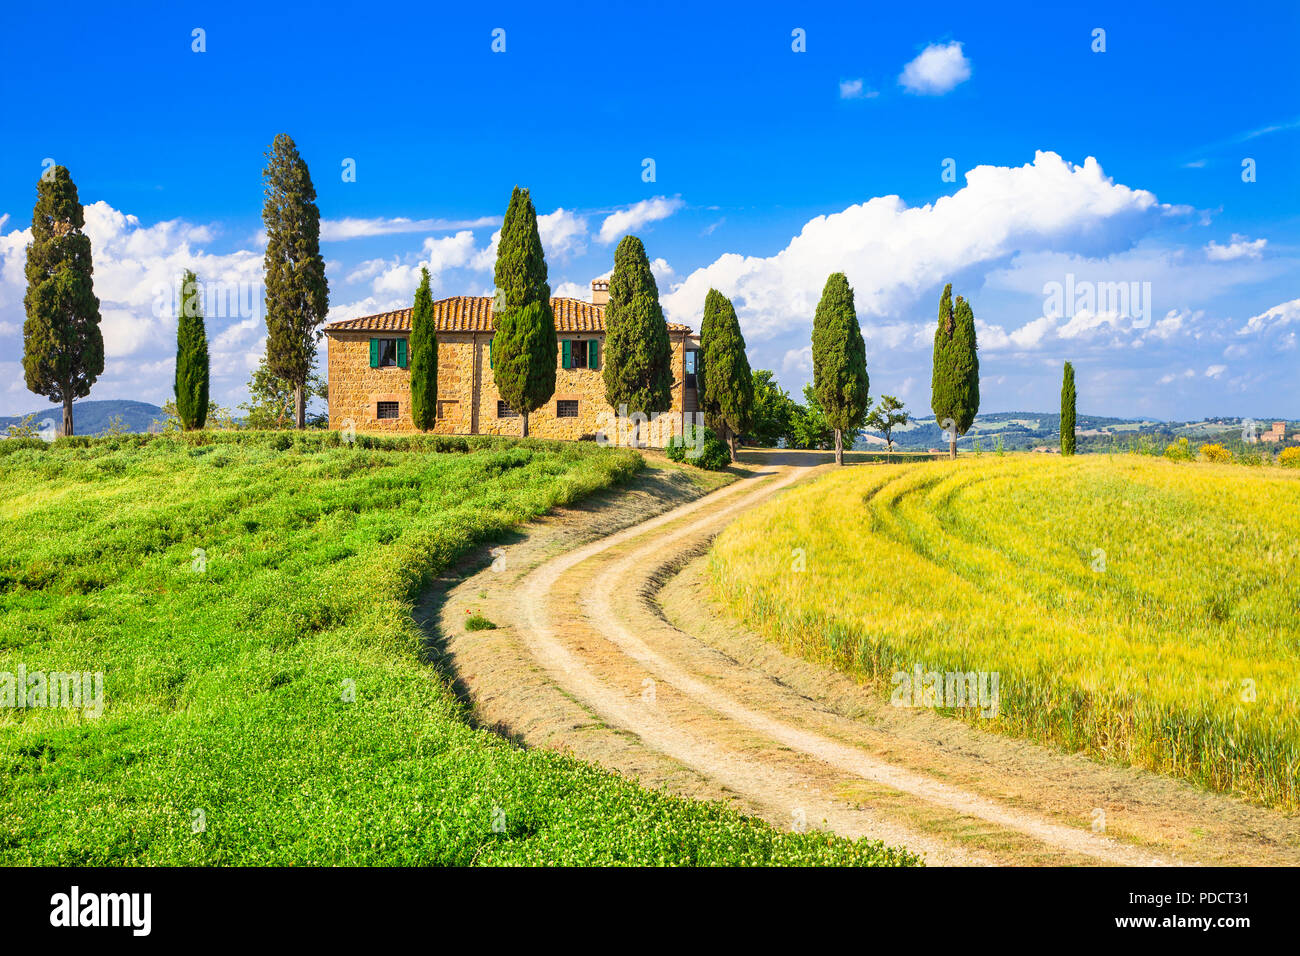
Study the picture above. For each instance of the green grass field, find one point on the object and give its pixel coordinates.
(1137, 610)
(266, 699)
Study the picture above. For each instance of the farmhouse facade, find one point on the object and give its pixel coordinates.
(370, 381)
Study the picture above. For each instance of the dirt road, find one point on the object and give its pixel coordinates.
(607, 646)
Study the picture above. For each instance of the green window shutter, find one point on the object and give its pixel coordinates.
(491, 357)
(566, 352)
(374, 353)
(593, 354)
(401, 353)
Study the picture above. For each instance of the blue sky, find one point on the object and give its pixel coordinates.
(772, 169)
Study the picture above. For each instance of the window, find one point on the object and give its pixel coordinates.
(448, 408)
(566, 408)
(692, 364)
(386, 410)
(388, 353)
(577, 353)
(505, 411)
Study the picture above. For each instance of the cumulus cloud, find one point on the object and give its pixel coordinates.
(563, 234)
(624, 221)
(1238, 247)
(1214, 371)
(894, 254)
(1174, 376)
(1276, 317)
(854, 90)
(940, 67)
(339, 230)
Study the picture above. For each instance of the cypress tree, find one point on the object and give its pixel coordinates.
(524, 348)
(638, 356)
(423, 358)
(297, 293)
(63, 348)
(1068, 398)
(727, 389)
(191, 356)
(839, 361)
(955, 381)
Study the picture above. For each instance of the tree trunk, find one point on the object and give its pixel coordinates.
(67, 413)
(525, 433)
(839, 447)
(952, 449)
(300, 406)
(731, 441)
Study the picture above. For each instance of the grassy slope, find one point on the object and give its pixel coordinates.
(225, 688)
(988, 565)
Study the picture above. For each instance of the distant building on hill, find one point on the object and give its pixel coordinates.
(1276, 434)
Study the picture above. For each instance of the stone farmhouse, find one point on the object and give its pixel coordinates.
(370, 385)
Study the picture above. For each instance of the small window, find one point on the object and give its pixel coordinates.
(566, 408)
(692, 365)
(387, 353)
(386, 410)
(449, 409)
(579, 359)
(505, 411)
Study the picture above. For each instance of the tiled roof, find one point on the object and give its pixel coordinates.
(468, 313)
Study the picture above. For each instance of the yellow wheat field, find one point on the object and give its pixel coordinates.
(1135, 609)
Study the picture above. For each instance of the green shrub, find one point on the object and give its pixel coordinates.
(713, 454)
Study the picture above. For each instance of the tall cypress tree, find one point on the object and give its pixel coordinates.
(1068, 398)
(638, 356)
(727, 388)
(524, 347)
(192, 370)
(955, 381)
(63, 348)
(297, 293)
(423, 359)
(840, 361)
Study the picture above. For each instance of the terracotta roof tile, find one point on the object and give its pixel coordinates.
(467, 313)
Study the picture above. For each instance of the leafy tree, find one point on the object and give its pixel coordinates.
(63, 348)
(839, 361)
(423, 359)
(192, 371)
(273, 401)
(297, 293)
(1067, 410)
(727, 393)
(524, 345)
(888, 414)
(955, 385)
(773, 410)
(808, 425)
(638, 370)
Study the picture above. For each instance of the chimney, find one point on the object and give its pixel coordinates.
(599, 291)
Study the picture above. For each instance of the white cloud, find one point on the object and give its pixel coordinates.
(939, 68)
(1214, 371)
(339, 230)
(894, 254)
(1174, 376)
(1276, 317)
(1238, 247)
(563, 234)
(662, 271)
(854, 90)
(625, 221)
(572, 290)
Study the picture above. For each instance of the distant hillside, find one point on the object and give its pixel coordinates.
(1024, 430)
(93, 418)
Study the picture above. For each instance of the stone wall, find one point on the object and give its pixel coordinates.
(355, 389)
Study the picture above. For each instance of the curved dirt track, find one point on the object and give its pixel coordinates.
(608, 649)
